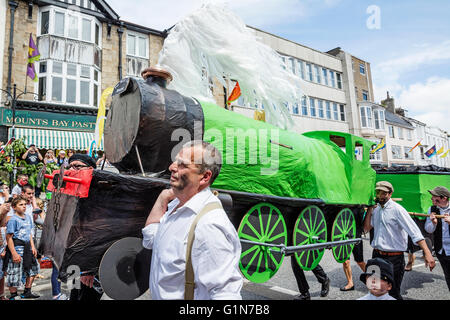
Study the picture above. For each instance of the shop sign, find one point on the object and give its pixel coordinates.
(48, 120)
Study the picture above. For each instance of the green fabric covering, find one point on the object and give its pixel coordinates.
(413, 189)
(312, 167)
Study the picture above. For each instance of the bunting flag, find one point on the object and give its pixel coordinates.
(441, 150)
(418, 144)
(235, 94)
(445, 154)
(260, 115)
(2, 148)
(33, 56)
(380, 146)
(431, 152)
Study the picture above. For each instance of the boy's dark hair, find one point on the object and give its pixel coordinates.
(27, 186)
(16, 200)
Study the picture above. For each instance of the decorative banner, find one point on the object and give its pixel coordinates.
(100, 124)
(33, 55)
(235, 94)
(260, 115)
(418, 144)
(380, 146)
(431, 152)
(445, 154)
(441, 150)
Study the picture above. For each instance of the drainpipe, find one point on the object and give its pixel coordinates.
(120, 32)
(13, 6)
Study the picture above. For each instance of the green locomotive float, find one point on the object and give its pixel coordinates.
(286, 193)
(286, 189)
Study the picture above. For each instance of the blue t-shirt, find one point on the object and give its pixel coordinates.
(20, 227)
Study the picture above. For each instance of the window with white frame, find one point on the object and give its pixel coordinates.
(301, 69)
(365, 95)
(376, 156)
(137, 53)
(339, 80)
(137, 45)
(366, 117)
(70, 83)
(391, 132)
(325, 76)
(342, 111)
(70, 65)
(320, 107)
(304, 107)
(396, 152)
(328, 109)
(318, 75)
(312, 107)
(332, 79)
(69, 24)
(408, 155)
(310, 72)
(362, 68)
(400, 133)
(335, 111)
(292, 65)
(409, 134)
(379, 119)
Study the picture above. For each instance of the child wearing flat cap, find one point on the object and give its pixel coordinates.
(378, 282)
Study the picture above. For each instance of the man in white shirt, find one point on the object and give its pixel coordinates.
(440, 227)
(392, 224)
(216, 249)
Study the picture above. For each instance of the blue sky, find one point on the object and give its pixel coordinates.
(409, 53)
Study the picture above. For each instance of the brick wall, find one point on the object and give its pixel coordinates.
(23, 26)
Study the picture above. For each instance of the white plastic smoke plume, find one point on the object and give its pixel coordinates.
(215, 39)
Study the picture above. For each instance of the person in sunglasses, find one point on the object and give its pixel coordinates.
(87, 292)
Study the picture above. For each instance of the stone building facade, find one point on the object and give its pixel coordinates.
(79, 43)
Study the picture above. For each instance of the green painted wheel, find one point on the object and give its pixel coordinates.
(344, 228)
(263, 223)
(310, 228)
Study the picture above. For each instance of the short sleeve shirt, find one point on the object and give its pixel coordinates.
(32, 158)
(20, 227)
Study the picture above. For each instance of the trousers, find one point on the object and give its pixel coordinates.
(299, 274)
(445, 264)
(399, 270)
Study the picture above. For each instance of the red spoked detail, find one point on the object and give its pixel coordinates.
(77, 182)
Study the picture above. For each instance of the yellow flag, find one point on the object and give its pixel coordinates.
(445, 154)
(440, 150)
(259, 115)
(99, 125)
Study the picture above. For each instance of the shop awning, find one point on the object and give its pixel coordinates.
(56, 139)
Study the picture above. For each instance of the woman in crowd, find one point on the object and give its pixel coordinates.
(49, 157)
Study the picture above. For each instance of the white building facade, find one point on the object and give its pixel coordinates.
(324, 105)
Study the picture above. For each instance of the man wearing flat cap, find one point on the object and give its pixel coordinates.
(440, 227)
(392, 224)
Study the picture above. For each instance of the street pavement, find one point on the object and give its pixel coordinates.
(418, 284)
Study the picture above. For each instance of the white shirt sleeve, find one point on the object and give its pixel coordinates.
(149, 233)
(429, 226)
(215, 260)
(408, 224)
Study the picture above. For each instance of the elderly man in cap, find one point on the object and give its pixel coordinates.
(440, 227)
(392, 224)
